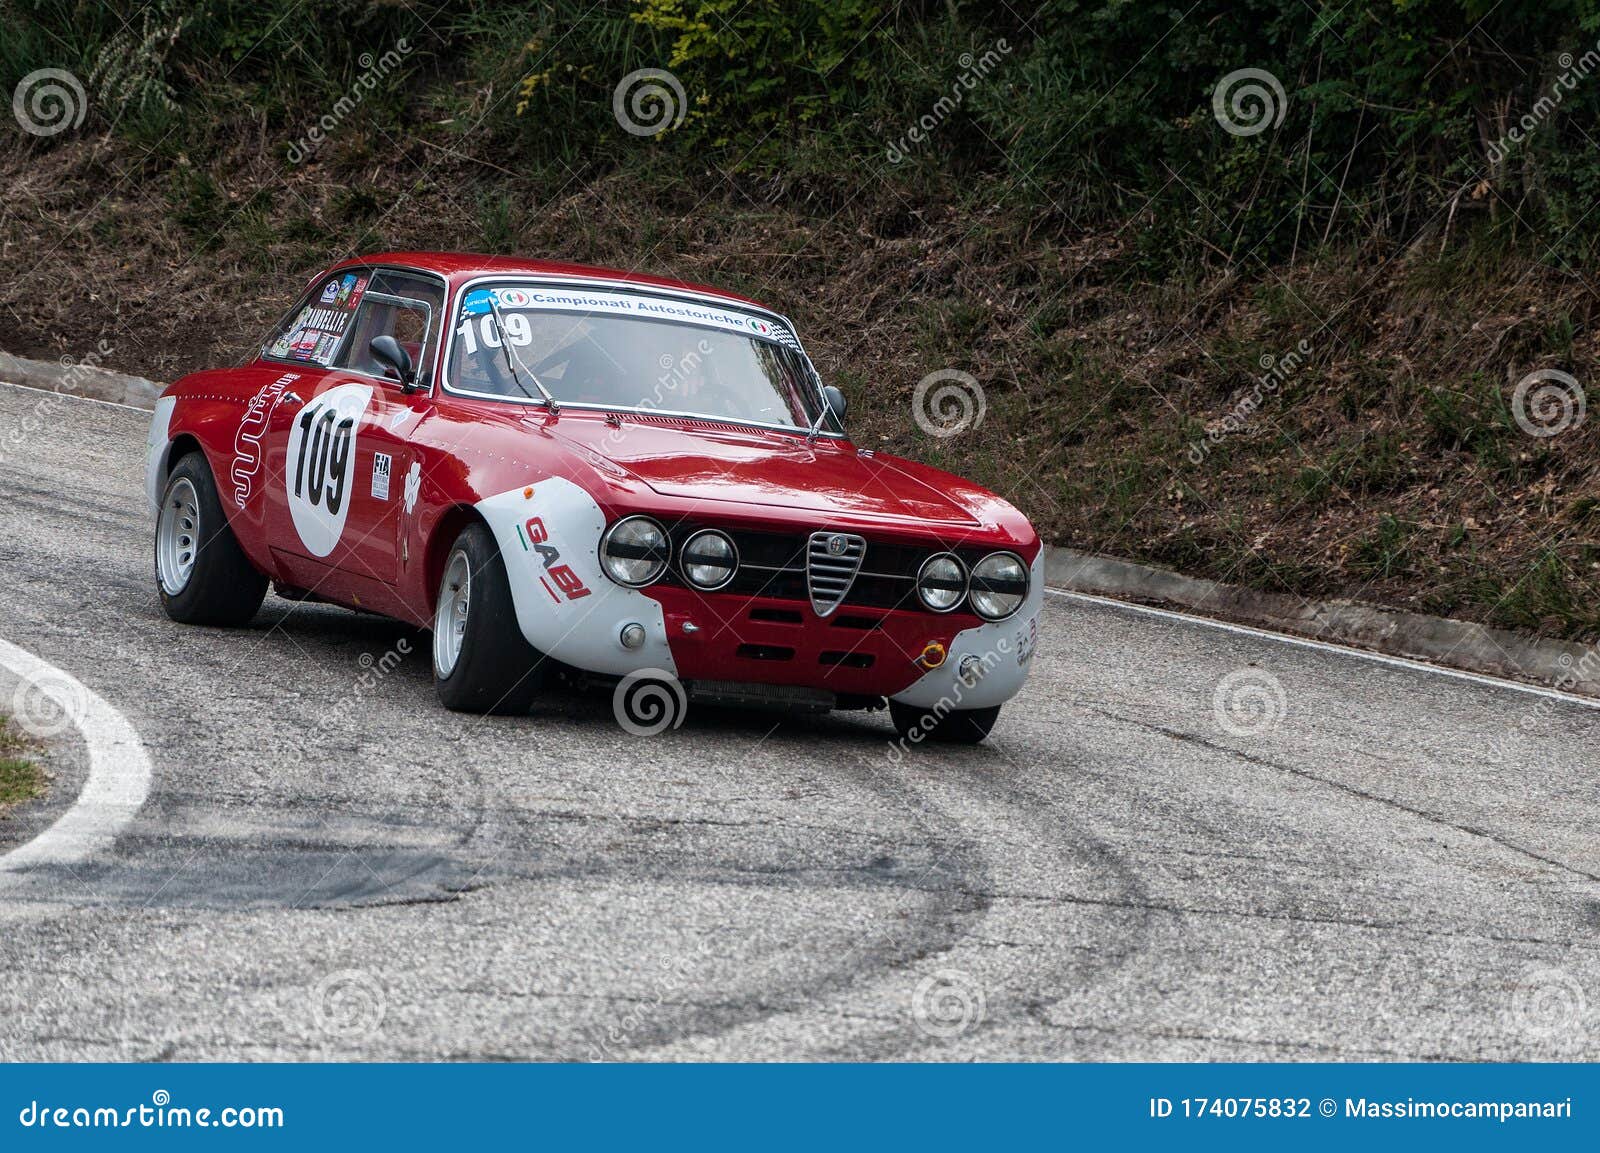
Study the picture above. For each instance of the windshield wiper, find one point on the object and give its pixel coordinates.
(822, 399)
(514, 362)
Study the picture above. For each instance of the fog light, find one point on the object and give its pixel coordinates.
(633, 636)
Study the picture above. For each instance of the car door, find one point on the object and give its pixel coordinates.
(336, 517)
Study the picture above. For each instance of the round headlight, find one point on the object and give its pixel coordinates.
(942, 582)
(708, 560)
(635, 551)
(999, 585)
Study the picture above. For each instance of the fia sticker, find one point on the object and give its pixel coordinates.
(382, 466)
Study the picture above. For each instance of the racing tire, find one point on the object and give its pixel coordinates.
(202, 575)
(481, 661)
(956, 727)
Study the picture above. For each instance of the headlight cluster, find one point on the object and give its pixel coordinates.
(636, 550)
(996, 587)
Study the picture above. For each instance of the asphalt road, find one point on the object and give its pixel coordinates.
(1383, 864)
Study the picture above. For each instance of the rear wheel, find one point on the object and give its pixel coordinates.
(956, 727)
(481, 662)
(202, 574)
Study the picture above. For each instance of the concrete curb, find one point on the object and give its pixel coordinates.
(1565, 665)
(79, 378)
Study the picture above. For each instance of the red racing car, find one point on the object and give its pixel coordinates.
(622, 479)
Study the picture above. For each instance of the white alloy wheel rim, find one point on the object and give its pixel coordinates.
(177, 536)
(450, 618)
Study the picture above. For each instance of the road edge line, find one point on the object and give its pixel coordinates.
(118, 782)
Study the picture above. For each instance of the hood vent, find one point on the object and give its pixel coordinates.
(832, 561)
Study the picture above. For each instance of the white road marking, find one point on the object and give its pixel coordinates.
(119, 772)
(1325, 646)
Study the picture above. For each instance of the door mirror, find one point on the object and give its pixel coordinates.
(388, 351)
(836, 402)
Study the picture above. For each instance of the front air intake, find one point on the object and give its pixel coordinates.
(832, 561)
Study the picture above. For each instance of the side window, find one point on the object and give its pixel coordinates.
(400, 305)
(313, 332)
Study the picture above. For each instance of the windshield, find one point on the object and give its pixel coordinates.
(627, 351)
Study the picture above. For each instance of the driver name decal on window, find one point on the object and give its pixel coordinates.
(478, 303)
(316, 332)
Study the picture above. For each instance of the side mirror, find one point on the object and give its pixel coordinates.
(388, 351)
(836, 402)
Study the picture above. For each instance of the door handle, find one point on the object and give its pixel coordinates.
(293, 398)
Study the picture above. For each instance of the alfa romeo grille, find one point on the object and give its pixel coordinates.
(832, 561)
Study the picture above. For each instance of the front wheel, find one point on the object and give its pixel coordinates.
(481, 661)
(954, 727)
(202, 574)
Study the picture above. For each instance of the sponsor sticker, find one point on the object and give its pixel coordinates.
(382, 467)
(330, 292)
(538, 299)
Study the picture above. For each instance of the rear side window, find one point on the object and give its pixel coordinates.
(318, 327)
(400, 305)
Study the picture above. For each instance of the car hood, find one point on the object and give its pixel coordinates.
(706, 461)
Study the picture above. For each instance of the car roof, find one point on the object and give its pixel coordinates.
(461, 266)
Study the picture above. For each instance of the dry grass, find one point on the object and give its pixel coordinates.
(20, 779)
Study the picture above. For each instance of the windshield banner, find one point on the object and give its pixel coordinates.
(514, 298)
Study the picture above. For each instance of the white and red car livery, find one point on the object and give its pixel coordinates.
(567, 469)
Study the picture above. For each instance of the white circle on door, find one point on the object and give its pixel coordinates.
(320, 470)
